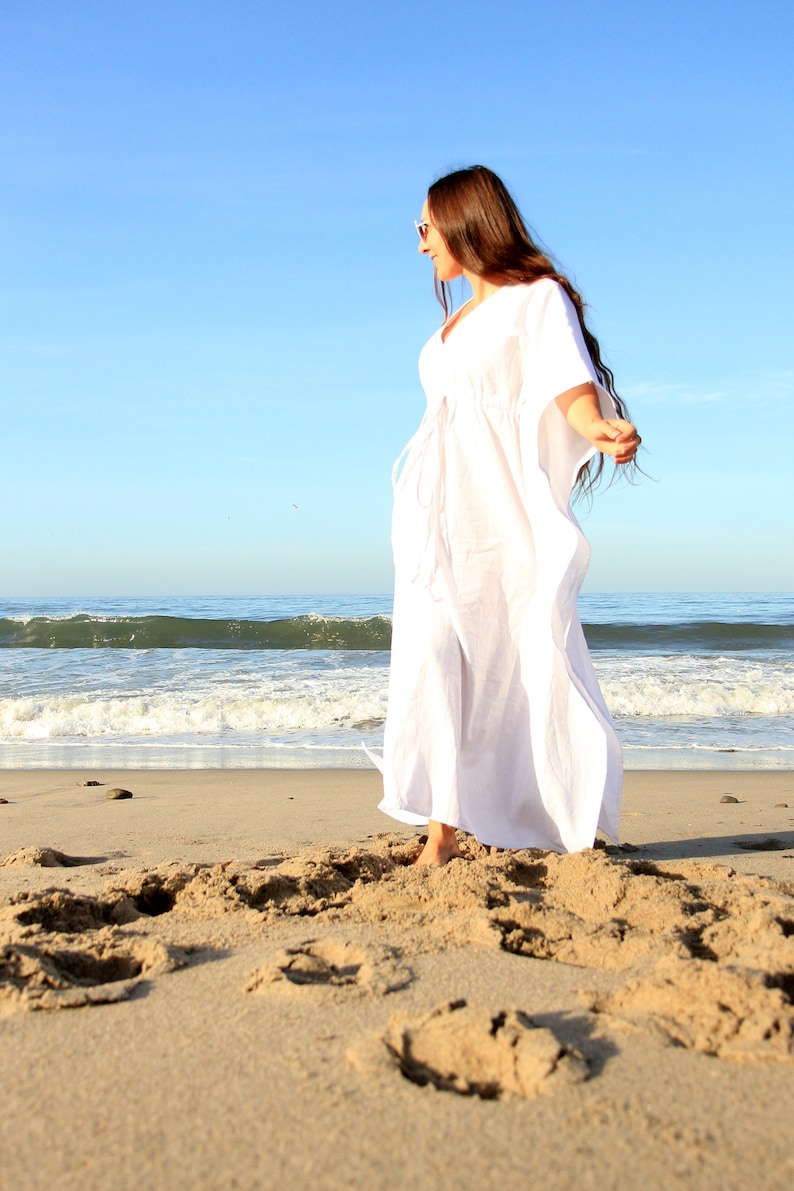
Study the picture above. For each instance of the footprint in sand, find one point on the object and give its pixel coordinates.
(59, 911)
(471, 1051)
(59, 950)
(337, 963)
(44, 974)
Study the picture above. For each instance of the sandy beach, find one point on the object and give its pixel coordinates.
(235, 979)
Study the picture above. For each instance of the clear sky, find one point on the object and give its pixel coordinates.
(212, 302)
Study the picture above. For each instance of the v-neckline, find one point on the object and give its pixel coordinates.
(459, 316)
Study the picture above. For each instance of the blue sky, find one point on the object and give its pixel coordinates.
(212, 302)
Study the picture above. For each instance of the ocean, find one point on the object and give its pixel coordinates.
(692, 680)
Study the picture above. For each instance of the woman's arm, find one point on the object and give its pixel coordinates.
(611, 436)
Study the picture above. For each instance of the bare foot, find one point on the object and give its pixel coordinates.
(441, 846)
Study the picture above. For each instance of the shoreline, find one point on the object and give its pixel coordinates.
(244, 953)
(221, 758)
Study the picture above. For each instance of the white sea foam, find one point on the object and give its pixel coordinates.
(691, 686)
(172, 715)
(270, 702)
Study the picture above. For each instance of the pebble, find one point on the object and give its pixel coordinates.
(779, 806)
(117, 793)
(91, 782)
(728, 798)
(4, 801)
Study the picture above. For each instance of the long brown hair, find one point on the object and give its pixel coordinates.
(485, 233)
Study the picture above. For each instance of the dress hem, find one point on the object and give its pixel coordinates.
(411, 819)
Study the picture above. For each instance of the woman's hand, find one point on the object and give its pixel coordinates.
(615, 437)
(610, 436)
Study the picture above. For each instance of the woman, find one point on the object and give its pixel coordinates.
(495, 723)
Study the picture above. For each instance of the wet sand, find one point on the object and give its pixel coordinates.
(262, 992)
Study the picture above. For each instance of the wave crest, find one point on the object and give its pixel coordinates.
(178, 632)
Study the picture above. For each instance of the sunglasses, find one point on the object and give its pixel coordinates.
(422, 228)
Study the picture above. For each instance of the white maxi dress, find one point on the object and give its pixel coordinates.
(495, 720)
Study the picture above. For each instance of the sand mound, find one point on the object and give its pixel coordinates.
(469, 1050)
(307, 884)
(726, 1011)
(47, 858)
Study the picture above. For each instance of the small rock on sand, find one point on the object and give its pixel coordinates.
(117, 793)
(4, 801)
(729, 798)
(91, 782)
(779, 806)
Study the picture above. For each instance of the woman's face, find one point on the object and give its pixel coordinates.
(434, 246)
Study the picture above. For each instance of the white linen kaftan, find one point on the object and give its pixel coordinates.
(495, 720)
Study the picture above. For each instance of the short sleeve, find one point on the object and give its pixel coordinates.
(555, 359)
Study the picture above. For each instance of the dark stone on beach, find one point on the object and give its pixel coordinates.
(91, 782)
(763, 845)
(779, 806)
(117, 793)
(4, 801)
(728, 798)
